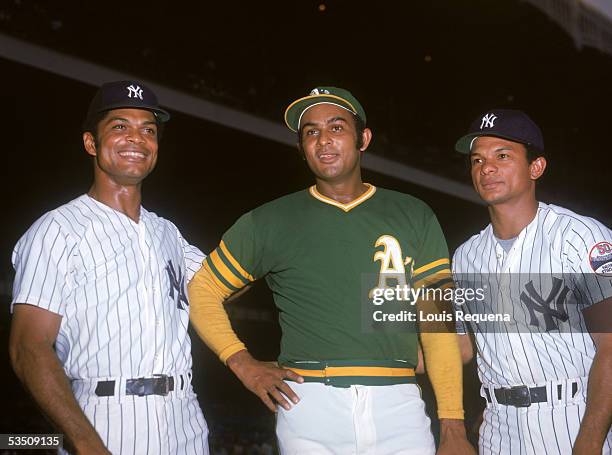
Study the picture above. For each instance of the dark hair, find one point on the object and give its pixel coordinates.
(533, 153)
(360, 126)
(91, 123)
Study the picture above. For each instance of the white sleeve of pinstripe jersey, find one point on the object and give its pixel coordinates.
(588, 249)
(193, 257)
(40, 259)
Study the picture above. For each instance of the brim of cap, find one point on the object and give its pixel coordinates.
(463, 145)
(294, 111)
(161, 114)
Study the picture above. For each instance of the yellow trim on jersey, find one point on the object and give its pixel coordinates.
(346, 207)
(225, 271)
(234, 262)
(354, 371)
(435, 277)
(216, 279)
(430, 266)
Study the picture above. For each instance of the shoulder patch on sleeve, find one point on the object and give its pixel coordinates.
(600, 258)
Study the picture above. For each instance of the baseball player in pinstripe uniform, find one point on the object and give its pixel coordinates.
(545, 370)
(316, 248)
(99, 331)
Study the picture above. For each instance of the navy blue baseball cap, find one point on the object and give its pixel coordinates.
(508, 124)
(125, 95)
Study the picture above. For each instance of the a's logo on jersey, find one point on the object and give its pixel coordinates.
(177, 284)
(600, 258)
(536, 304)
(392, 264)
(134, 92)
(488, 121)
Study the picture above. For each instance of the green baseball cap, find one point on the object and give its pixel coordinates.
(322, 95)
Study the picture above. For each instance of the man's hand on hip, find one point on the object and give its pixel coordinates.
(265, 379)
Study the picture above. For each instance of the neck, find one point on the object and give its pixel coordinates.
(125, 199)
(509, 219)
(343, 192)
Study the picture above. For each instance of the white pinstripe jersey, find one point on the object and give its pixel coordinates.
(119, 286)
(536, 346)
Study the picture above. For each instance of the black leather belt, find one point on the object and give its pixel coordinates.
(157, 385)
(519, 396)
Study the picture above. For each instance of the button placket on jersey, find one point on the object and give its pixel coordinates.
(156, 302)
(506, 260)
(511, 265)
(146, 290)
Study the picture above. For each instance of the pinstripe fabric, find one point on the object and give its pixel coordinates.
(151, 424)
(120, 288)
(557, 241)
(540, 429)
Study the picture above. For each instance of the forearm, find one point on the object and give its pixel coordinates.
(598, 415)
(450, 428)
(466, 347)
(39, 370)
(442, 360)
(445, 371)
(208, 316)
(238, 361)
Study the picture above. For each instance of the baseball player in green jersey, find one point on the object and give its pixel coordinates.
(324, 251)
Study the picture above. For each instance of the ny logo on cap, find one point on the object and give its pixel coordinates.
(488, 121)
(316, 91)
(134, 92)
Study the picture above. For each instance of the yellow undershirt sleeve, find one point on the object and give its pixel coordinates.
(442, 360)
(208, 315)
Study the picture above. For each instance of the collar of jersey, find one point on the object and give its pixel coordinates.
(520, 238)
(346, 207)
(103, 206)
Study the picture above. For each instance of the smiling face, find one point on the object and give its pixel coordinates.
(126, 148)
(329, 143)
(501, 171)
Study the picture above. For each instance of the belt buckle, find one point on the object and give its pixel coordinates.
(165, 383)
(520, 396)
(136, 387)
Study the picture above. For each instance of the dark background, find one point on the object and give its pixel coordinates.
(422, 71)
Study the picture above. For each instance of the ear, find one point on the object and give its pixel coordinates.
(90, 144)
(537, 167)
(367, 138)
